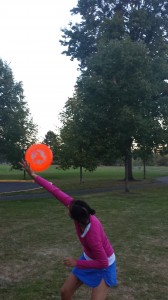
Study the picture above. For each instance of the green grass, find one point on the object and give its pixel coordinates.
(102, 172)
(102, 177)
(37, 234)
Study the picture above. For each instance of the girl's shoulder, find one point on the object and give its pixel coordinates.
(95, 222)
(94, 219)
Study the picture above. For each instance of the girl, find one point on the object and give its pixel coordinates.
(96, 267)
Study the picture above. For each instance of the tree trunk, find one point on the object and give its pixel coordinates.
(144, 167)
(130, 175)
(126, 175)
(81, 174)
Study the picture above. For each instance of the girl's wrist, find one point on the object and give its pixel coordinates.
(33, 175)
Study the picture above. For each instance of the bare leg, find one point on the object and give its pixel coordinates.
(69, 287)
(100, 292)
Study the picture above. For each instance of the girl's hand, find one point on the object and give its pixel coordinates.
(70, 262)
(27, 168)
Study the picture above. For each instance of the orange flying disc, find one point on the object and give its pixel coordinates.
(39, 156)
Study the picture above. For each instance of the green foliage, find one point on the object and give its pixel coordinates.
(124, 94)
(53, 141)
(162, 160)
(17, 130)
(105, 20)
(122, 51)
(77, 149)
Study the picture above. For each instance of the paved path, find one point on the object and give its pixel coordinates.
(162, 179)
(12, 186)
(24, 187)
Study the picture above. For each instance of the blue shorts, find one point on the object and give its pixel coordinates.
(93, 277)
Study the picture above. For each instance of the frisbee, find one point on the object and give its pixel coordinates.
(39, 156)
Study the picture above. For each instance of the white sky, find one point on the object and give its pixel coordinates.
(29, 41)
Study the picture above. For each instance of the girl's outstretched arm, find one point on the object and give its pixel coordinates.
(55, 191)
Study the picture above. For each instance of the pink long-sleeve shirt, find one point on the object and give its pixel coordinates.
(95, 243)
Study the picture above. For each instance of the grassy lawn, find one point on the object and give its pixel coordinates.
(102, 172)
(101, 177)
(37, 234)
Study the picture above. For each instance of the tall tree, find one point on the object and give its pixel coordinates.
(142, 20)
(136, 89)
(122, 87)
(17, 130)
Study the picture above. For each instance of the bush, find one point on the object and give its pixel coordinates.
(162, 160)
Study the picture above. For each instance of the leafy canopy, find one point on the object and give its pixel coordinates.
(17, 130)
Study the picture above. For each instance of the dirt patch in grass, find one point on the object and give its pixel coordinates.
(161, 242)
(122, 292)
(53, 252)
(18, 270)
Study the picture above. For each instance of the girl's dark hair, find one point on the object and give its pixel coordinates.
(80, 211)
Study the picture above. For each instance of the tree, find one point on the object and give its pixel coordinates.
(53, 141)
(144, 20)
(118, 84)
(77, 149)
(17, 130)
(151, 143)
(122, 87)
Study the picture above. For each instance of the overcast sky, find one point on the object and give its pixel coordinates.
(29, 41)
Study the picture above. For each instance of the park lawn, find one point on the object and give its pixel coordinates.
(37, 234)
(102, 177)
(101, 172)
